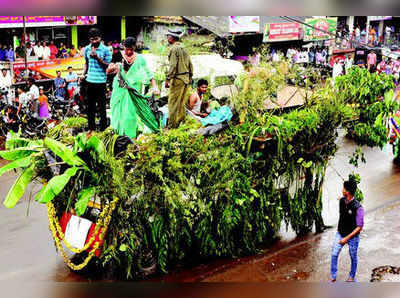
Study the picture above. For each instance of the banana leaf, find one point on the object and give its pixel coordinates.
(16, 143)
(17, 153)
(80, 142)
(63, 152)
(97, 145)
(56, 185)
(18, 188)
(18, 163)
(83, 200)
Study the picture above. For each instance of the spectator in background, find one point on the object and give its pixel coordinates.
(396, 69)
(20, 52)
(33, 89)
(389, 67)
(81, 51)
(110, 47)
(372, 34)
(348, 63)
(2, 53)
(311, 55)
(381, 66)
(10, 54)
(73, 52)
(115, 44)
(357, 34)
(44, 104)
(318, 57)
(53, 50)
(29, 50)
(337, 69)
(62, 52)
(46, 51)
(5, 79)
(371, 61)
(388, 30)
(72, 82)
(59, 84)
(38, 48)
(22, 98)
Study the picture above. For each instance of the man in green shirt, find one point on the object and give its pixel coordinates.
(20, 51)
(179, 77)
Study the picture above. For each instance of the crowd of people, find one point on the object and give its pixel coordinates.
(312, 55)
(45, 50)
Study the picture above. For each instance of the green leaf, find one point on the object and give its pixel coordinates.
(18, 163)
(97, 145)
(39, 194)
(16, 153)
(80, 142)
(123, 247)
(63, 152)
(83, 200)
(56, 185)
(18, 188)
(15, 142)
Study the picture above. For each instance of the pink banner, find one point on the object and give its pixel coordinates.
(47, 20)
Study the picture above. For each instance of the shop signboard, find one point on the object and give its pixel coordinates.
(379, 18)
(45, 21)
(244, 24)
(47, 69)
(320, 29)
(281, 32)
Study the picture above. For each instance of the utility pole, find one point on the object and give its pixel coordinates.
(26, 61)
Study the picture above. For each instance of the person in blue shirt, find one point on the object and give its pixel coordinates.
(59, 84)
(2, 53)
(72, 82)
(10, 54)
(311, 55)
(97, 58)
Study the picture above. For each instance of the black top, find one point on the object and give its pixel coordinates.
(117, 58)
(348, 216)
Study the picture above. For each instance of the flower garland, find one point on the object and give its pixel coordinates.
(58, 235)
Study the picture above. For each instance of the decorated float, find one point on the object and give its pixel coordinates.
(125, 208)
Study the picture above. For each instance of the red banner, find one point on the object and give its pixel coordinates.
(281, 32)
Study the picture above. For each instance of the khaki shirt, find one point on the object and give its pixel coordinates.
(180, 64)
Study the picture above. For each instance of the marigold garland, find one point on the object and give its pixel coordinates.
(58, 235)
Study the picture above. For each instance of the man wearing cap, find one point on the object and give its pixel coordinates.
(179, 77)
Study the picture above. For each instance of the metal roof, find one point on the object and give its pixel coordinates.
(219, 25)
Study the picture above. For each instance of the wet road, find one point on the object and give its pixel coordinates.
(28, 252)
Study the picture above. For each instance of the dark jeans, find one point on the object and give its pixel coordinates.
(96, 95)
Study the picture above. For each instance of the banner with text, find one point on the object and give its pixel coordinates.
(45, 21)
(281, 32)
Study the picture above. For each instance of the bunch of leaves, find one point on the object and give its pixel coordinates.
(263, 83)
(359, 196)
(371, 95)
(83, 171)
